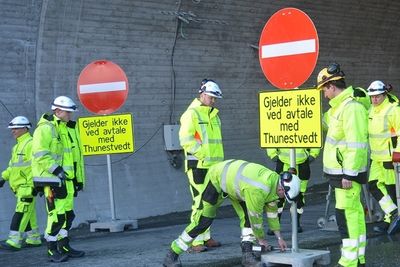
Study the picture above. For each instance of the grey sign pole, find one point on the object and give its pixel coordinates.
(111, 188)
(293, 208)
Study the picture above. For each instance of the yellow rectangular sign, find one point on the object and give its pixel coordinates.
(290, 119)
(110, 134)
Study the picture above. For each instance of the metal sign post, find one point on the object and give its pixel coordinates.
(111, 188)
(293, 208)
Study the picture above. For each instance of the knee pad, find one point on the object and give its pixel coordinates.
(57, 226)
(203, 224)
(374, 190)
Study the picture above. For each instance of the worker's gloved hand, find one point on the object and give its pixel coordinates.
(2, 181)
(78, 187)
(275, 159)
(60, 173)
(396, 157)
(310, 159)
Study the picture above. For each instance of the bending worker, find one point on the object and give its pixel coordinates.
(53, 168)
(19, 176)
(252, 188)
(384, 132)
(304, 157)
(345, 160)
(201, 138)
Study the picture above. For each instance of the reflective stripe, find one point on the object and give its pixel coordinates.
(387, 204)
(241, 178)
(257, 226)
(224, 175)
(272, 214)
(21, 164)
(347, 242)
(362, 238)
(350, 255)
(361, 251)
(40, 154)
(181, 244)
(185, 237)
(191, 157)
(344, 171)
(247, 231)
(335, 142)
(254, 214)
(50, 238)
(381, 135)
(63, 233)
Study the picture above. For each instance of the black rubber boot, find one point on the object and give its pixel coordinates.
(248, 258)
(54, 254)
(65, 249)
(171, 259)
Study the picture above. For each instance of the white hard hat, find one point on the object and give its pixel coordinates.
(377, 88)
(291, 184)
(211, 88)
(19, 122)
(63, 103)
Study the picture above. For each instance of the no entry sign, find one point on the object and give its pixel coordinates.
(288, 48)
(102, 87)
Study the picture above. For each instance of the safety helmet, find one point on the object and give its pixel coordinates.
(328, 74)
(377, 88)
(291, 184)
(211, 88)
(19, 122)
(63, 103)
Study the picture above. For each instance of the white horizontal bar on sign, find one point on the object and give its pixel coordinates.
(288, 49)
(102, 87)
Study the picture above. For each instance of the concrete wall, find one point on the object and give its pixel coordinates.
(45, 44)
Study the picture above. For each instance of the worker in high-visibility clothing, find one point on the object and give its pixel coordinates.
(19, 176)
(78, 181)
(304, 156)
(384, 137)
(252, 189)
(201, 138)
(345, 160)
(53, 169)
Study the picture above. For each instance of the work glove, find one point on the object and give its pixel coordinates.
(60, 173)
(78, 187)
(310, 159)
(2, 181)
(396, 157)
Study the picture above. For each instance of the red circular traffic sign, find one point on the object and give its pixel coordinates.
(102, 87)
(288, 48)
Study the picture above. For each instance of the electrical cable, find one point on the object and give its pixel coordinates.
(137, 150)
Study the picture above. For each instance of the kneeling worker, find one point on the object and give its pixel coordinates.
(252, 188)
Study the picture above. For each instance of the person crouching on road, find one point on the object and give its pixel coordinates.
(384, 131)
(53, 168)
(304, 157)
(19, 176)
(252, 188)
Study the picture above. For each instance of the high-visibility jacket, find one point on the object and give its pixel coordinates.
(51, 147)
(252, 183)
(200, 135)
(384, 130)
(19, 170)
(346, 145)
(360, 95)
(79, 165)
(283, 154)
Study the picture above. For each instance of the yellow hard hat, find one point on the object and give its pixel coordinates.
(330, 73)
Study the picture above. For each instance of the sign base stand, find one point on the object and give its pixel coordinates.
(114, 226)
(302, 258)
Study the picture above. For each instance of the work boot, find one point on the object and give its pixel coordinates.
(65, 248)
(171, 259)
(299, 228)
(197, 249)
(248, 258)
(211, 243)
(7, 246)
(394, 223)
(53, 253)
(383, 228)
